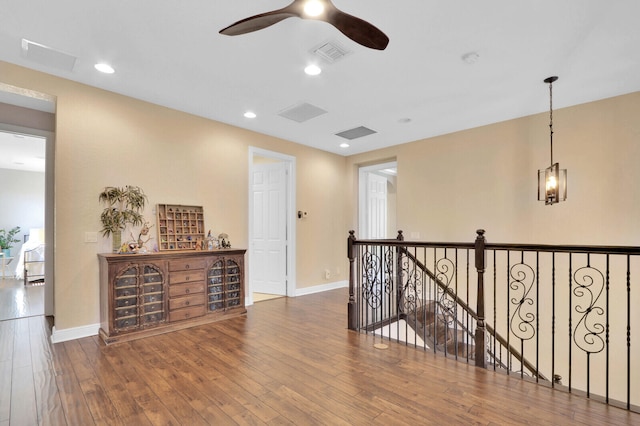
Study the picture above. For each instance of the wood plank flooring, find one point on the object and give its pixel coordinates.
(290, 361)
(20, 301)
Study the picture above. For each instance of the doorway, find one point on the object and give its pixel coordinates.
(22, 201)
(377, 201)
(30, 113)
(271, 225)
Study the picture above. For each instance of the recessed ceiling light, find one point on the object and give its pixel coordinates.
(105, 68)
(344, 145)
(312, 69)
(404, 120)
(313, 7)
(250, 114)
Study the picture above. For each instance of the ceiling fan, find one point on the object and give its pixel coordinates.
(356, 29)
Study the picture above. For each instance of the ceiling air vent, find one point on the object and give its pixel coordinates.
(330, 51)
(47, 56)
(302, 112)
(356, 133)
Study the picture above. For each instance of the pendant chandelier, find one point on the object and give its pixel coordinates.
(552, 181)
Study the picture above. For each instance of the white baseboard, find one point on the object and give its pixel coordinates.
(58, 336)
(320, 288)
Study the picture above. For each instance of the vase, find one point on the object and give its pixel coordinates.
(6, 252)
(116, 242)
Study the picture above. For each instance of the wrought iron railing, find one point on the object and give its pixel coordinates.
(559, 315)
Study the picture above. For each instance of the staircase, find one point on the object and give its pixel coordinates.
(442, 331)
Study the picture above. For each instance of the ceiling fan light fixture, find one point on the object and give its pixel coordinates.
(313, 8)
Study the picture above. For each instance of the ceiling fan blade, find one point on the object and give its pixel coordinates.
(258, 22)
(358, 30)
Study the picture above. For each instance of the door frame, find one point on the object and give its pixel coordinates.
(290, 220)
(49, 200)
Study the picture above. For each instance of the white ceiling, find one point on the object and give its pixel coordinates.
(170, 53)
(22, 152)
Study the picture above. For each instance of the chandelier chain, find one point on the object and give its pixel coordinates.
(551, 118)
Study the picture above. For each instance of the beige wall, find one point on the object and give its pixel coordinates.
(451, 185)
(447, 186)
(105, 139)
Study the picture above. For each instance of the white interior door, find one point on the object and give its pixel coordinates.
(269, 239)
(374, 205)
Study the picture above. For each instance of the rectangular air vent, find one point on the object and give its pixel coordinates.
(45, 55)
(302, 112)
(356, 133)
(330, 51)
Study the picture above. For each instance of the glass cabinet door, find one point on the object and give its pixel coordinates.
(153, 297)
(126, 299)
(215, 286)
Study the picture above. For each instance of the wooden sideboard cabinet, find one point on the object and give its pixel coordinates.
(147, 294)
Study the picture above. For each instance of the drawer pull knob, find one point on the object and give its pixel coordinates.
(188, 278)
(186, 266)
(187, 291)
(186, 303)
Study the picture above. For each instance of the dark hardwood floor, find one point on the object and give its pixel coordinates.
(289, 361)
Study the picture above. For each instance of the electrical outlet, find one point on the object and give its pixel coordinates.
(90, 237)
(327, 274)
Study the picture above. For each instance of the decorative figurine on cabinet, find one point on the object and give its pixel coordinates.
(212, 243)
(223, 239)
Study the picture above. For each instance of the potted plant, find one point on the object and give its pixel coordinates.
(124, 207)
(7, 239)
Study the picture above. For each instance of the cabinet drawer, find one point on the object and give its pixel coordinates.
(186, 264)
(186, 301)
(186, 276)
(152, 288)
(153, 318)
(126, 323)
(152, 297)
(186, 313)
(126, 301)
(185, 289)
(126, 292)
(153, 307)
(126, 311)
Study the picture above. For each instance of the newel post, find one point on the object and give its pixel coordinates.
(352, 313)
(481, 265)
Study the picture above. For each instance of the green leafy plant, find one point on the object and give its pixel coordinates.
(7, 237)
(123, 207)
